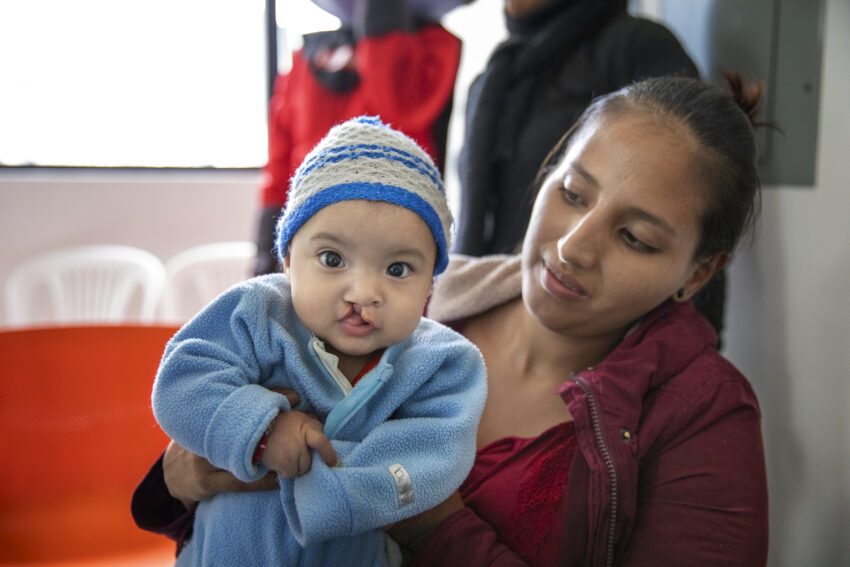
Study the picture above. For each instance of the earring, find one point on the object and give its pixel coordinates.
(680, 294)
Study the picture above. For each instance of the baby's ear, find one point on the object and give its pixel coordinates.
(286, 263)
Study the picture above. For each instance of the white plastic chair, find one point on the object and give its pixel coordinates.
(198, 275)
(85, 284)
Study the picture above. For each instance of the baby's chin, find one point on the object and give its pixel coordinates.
(354, 350)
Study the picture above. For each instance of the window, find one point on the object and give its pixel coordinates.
(155, 83)
(295, 18)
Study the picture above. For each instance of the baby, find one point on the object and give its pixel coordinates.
(389, 400)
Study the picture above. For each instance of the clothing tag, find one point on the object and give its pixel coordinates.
(403, 484)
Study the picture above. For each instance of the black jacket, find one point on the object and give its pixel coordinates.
(509, 132)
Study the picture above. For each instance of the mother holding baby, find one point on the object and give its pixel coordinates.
(614, 433)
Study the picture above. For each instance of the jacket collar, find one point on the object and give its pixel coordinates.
(660, 345)
(664, 343)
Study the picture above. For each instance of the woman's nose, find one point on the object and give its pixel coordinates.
(579, 246)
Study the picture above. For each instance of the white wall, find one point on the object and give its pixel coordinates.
(789, 331)
(788, 312)
(161, 211)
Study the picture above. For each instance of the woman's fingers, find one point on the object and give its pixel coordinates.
(191, 478)
(178, 470)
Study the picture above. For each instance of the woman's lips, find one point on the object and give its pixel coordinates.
(562, 285)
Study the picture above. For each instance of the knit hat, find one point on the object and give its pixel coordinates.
(365, 159)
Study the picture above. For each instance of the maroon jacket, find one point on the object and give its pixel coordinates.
(670, 468)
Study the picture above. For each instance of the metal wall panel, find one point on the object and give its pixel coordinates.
(777, 41)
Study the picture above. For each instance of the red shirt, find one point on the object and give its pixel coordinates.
(517, 486)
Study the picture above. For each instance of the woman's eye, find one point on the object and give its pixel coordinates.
(399, 270)
(634, 242)
(571, 197)
(331, 259)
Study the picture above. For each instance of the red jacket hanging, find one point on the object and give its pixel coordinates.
(405, 78)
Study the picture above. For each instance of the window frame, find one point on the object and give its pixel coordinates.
(271, 47)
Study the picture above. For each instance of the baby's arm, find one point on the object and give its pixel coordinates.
(209, 393)
(293, 434)
(403, 466)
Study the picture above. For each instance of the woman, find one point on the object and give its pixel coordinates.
(559, 54)
(613, 433)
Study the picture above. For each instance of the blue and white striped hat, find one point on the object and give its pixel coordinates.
(365, 159)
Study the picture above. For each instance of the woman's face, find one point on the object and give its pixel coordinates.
(615, 227)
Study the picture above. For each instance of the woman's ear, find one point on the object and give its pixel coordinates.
(700, 276)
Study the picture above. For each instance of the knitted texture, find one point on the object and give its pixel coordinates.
(365, 159)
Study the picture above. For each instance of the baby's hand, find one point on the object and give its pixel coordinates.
(288, 448)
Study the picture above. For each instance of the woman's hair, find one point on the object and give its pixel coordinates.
(721, 121)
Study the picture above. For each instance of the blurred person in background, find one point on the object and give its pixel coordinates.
(390, 58)
(559, 54)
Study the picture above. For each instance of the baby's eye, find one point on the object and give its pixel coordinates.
(399, 270)
(331, 259)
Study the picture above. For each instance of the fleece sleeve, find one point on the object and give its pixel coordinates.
(404, 466)
(207, 394)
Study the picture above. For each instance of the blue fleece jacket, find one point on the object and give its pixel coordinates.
(405, 435)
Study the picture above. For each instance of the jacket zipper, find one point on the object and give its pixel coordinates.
(609, 465)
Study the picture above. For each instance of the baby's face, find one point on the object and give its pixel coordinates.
(360, 273)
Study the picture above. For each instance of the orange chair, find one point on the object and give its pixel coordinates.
(76, 436)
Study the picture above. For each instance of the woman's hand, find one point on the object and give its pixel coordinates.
(412, 532)
(191, 478)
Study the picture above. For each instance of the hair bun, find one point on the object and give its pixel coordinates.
(748, 97)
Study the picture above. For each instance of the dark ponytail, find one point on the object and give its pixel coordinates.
(748, 97)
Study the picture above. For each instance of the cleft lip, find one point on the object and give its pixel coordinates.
(355, 316)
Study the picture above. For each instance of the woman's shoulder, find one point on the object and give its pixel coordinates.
(695, 386)
(703, 369)
(711, 385)
(472, 285)
(667, 381)
(669, 366)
